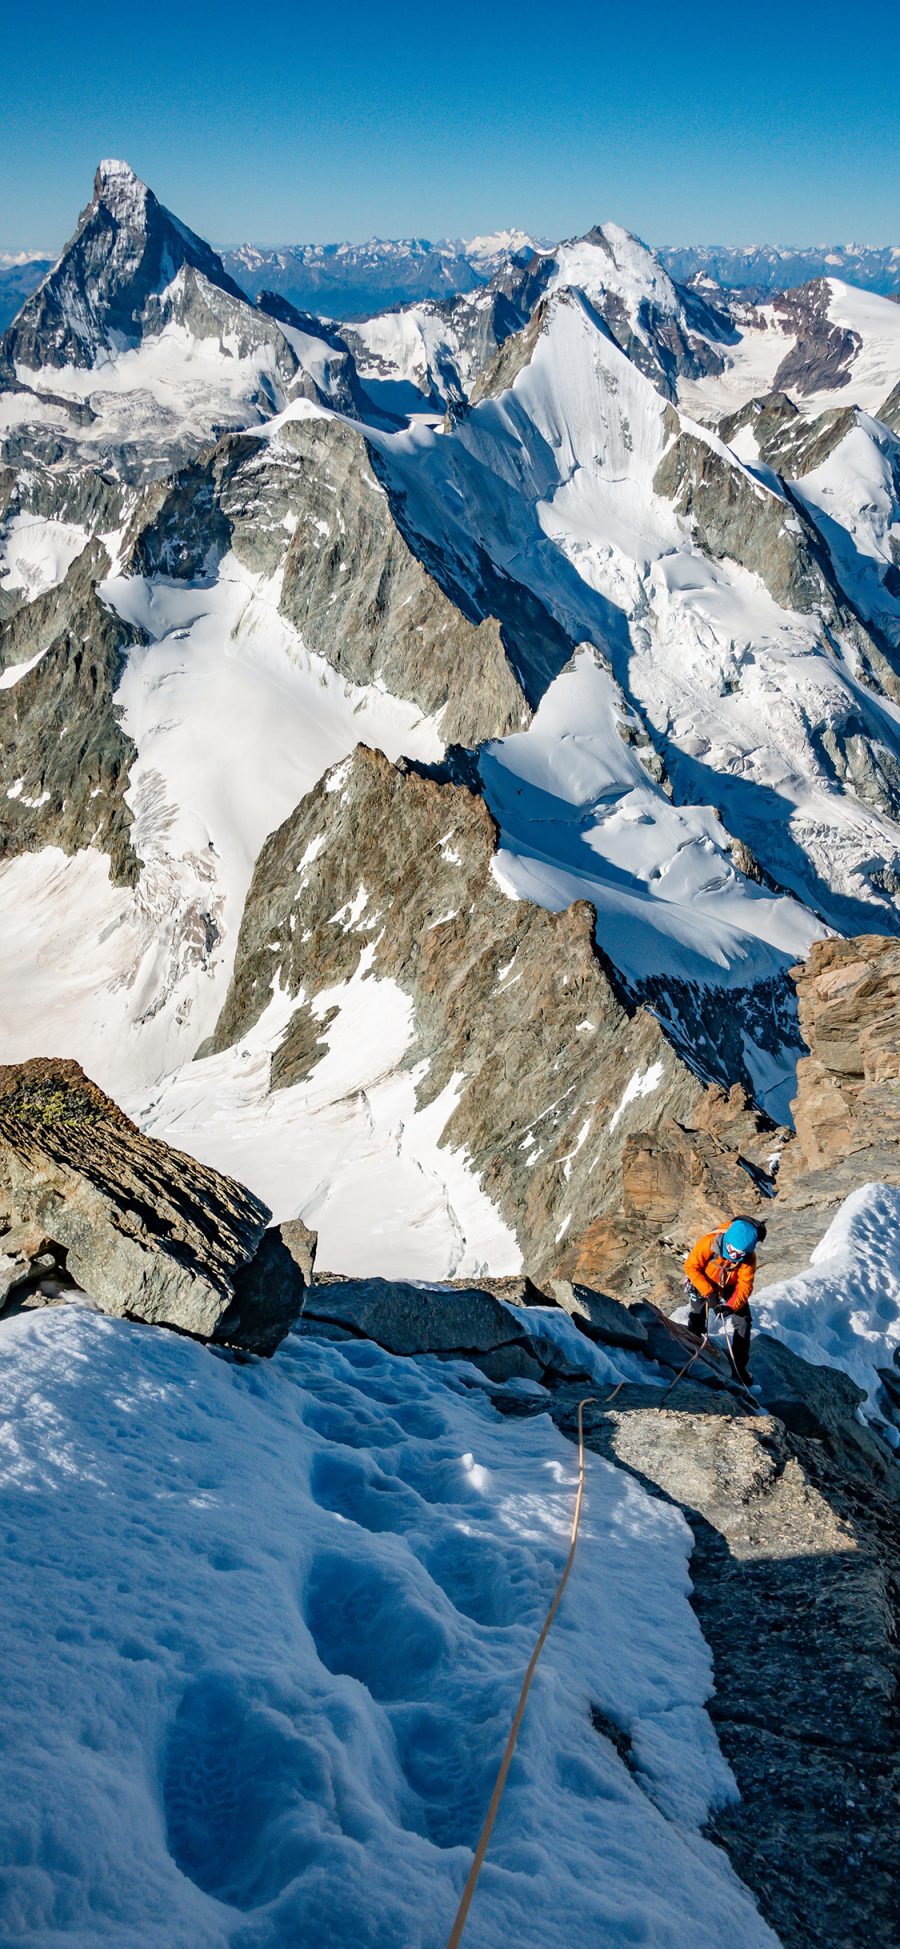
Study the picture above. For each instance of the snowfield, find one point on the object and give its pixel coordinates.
(845, 1310)
(234, 722)
(278, 1617)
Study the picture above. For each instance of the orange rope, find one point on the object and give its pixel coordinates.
(491, 1815)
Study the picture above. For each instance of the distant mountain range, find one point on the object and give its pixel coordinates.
(763, 268)
(351, 281)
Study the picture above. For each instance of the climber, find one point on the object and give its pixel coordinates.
(720, 1272)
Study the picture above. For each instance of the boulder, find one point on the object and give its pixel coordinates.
(600, 1317)
(819, 1402)
(268, 1293)
(467, 1323)
(148, 1232)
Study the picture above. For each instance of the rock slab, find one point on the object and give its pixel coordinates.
(148, 1232)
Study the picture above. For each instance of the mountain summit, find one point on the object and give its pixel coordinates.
(127, 249)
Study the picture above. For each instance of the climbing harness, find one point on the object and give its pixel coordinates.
(455, 1935)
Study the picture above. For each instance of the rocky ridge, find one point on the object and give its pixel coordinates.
(385, 874)
(64, 758)
(848, 1087)
(306, 503)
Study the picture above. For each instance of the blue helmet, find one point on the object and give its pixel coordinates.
(742, 1235)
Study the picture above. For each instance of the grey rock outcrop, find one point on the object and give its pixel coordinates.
(847, 1107)
(146, 1231)
(270, 1288)
(889, 410)
(340, 388)
(362, 598)
(310, 502)
(599, 1316)
(735, 516)
(821, 357)
(793, 1582)
(64, 758)
(206, 310)
(461, 1322)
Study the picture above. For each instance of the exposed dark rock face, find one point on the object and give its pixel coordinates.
(555, 1083)
(360, 597)
(351, 585)
(674, 333)
(737, 517)
(207, 311)
(712, 1027)
(472, 330)
(822, 355)
(342, 389)
(126, 249)
(268, 1291)
(889, 412)
(794, 1583)
(770, 531)
(794, 446)
(149, 1233)
(64, 758)
(847, 1107)
(600, 1317)
(515, 352)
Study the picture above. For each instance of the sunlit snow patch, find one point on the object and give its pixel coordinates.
(36, 553)
(846, 1309)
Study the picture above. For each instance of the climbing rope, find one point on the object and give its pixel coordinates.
(705, 1342)
(753, 1405)
(484, 1837)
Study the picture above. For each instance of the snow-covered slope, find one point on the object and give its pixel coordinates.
(826, 343)
(233, 721)
(736, 689)
(714, 762)
(846, 1309)
(442, 350)
(292, 1725)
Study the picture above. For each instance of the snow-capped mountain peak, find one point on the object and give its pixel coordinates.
(610, 258)
(126, 250)
(121, 191)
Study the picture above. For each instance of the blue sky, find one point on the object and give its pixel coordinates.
(276, 122)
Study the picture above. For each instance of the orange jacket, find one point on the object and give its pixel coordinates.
(717, 1278)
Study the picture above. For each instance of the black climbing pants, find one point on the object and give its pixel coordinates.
(739, 1324)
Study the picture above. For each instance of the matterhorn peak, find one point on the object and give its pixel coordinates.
(121, 191)
(126, 250)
